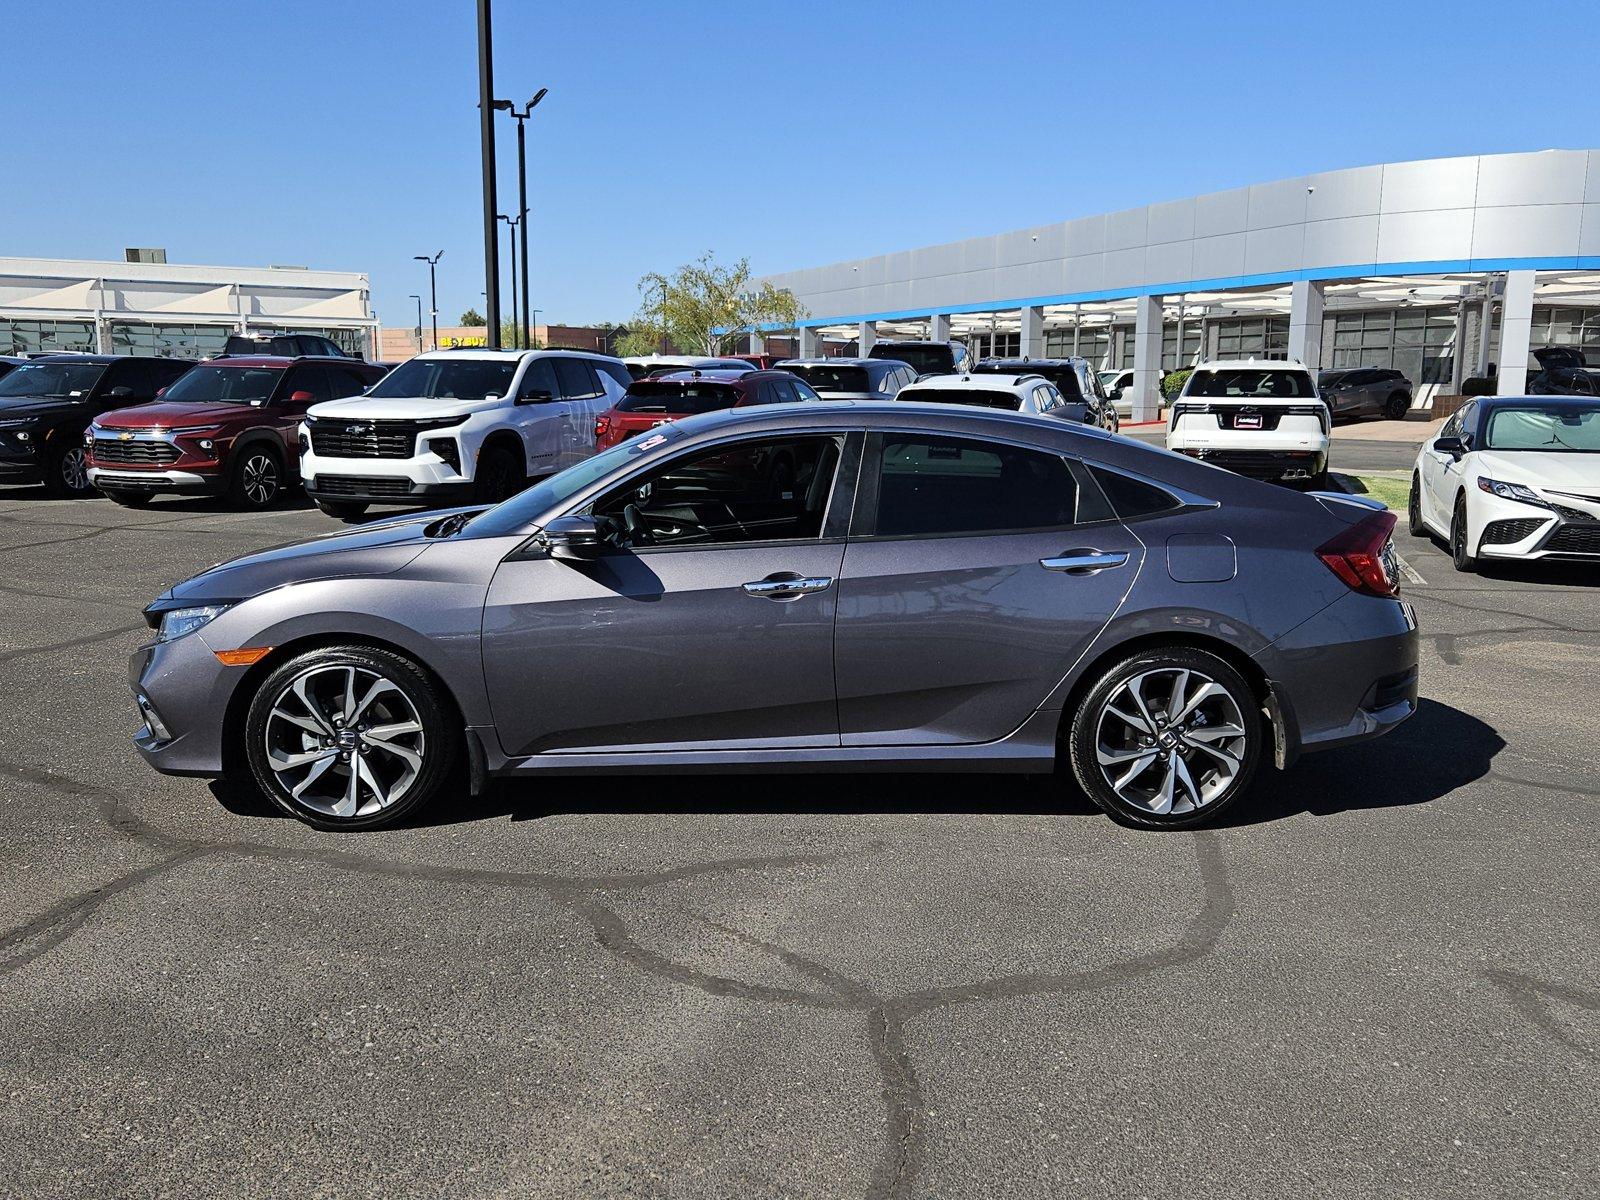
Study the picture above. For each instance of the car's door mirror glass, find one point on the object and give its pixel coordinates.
(574, 538)
(119, 393)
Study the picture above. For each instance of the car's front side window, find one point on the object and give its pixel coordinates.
(771, 489)
(930, 485)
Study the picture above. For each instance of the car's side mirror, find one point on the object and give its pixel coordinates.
(160, 392)
(532, 396)
(574, 538)
(301, 397)
(119, 393)
(1453, 446)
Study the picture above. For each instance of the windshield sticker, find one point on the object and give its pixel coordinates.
(650, 443)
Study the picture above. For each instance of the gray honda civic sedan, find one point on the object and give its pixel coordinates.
(824, 587)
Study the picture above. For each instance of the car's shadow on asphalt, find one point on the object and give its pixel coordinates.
(1437, 751)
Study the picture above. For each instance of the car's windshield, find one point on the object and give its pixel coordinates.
(225, 385)
(1564, 428)
(981, 397)
(834, 379)
(1255, 382)
(518, 513)
(447, 378)
(924, 360)
(669, 396)
(63, 381)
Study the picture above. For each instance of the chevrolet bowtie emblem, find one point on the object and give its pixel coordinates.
(124, 437)
(356, 429)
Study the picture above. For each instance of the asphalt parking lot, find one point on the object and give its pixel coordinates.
(1380, 978)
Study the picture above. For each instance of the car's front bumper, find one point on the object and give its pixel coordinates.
(1347, 674)
(356, 489)
(122, 479)
(20, 468)
(181, 692)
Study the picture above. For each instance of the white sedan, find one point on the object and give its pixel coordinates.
(1513, 477)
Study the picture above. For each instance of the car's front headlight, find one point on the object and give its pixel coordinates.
(176, 622)
(1512, 491)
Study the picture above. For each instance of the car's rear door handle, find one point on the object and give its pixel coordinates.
(1084, 562)
(786, 586)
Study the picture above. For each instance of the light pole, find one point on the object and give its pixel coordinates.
(491, 206)
(433, 293)
(512, 223)
(418, 299)
(533, 316)
(522, 196)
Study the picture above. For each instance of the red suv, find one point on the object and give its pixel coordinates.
(652, 402)
(226, 428)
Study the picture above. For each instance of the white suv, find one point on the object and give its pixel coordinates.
(457, 425)
(1261, 418)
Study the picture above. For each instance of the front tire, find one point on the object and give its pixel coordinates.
(67, 474)
(1460, 556)
(1166, 739)
(350, 738)
(257, 479)
(1414, 508)
(499, 476)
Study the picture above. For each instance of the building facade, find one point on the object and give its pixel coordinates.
(173, 310)
(1437, 268)
(395, 344)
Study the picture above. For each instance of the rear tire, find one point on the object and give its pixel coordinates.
(314, 727)
(131, 499)
(1414, 508)
(66, 475)
(1397, 406)
(342, 510)
(1460, 557)
(257, 479)
(499, 476)
(1161, 772)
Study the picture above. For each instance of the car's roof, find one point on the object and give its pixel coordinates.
(281, 360)
(707, 376)
(80, 358)
(876, 363)
(902, 414)
(1021, 366)
(1487, 402)
(1226, 364)
(1019, 382)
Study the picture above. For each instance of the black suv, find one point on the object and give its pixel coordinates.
(1563, 371)
(1365, 391)
(47, 403)
(1078, 383)
(925, 358)
(284, 345)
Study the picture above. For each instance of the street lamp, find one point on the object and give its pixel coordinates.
(533, 315)
(433, 294)
(418, 299)
(513, 223)
(522, 196)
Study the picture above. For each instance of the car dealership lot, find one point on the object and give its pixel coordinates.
(1377, 976)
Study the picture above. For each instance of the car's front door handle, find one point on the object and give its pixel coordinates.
(1084, 562)
(787, 586)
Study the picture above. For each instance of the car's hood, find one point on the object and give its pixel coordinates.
(398, 408)
(1572, 471)
(377, 549)
(160, 415)
(20, 408)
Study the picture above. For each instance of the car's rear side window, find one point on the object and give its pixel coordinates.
(1131, 497)
(940, 485)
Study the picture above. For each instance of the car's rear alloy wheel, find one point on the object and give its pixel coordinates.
(1414, 508)
(349, 738)
(1460, 556)
(257, 479)
(1396, 407)
(1167, 738)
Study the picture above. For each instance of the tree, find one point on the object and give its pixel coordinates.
(690, 306)
(473, 319)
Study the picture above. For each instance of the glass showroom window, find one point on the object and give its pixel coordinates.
(1171, 360)
(1253, 337)
(33, 337)
(169, 341)
(1094, 344)
(1417, 342)
(1578, 327)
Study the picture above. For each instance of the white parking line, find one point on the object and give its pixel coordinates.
(1408, 572)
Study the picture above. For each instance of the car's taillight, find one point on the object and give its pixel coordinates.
(1361, 555)
(601, 425)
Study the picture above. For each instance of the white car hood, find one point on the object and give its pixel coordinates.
(1563, 471)
(398, 408)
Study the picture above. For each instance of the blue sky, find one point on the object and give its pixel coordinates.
(343, 135)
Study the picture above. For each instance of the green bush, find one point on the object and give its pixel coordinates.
(1173, 383)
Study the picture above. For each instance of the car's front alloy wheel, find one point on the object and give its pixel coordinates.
(257, 478)
(349, 737)
(1461, 556)
(1414, 507)
(1167, 738)
(69, 473)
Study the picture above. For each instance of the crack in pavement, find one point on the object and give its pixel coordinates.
(87, 639)
(886, 1016)
(1531, 996)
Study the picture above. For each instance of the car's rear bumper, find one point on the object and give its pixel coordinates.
(123, 479)
(1347, 674)
(1262, 464)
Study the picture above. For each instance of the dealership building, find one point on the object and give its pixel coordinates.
(148, 306)
(1436, 268)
